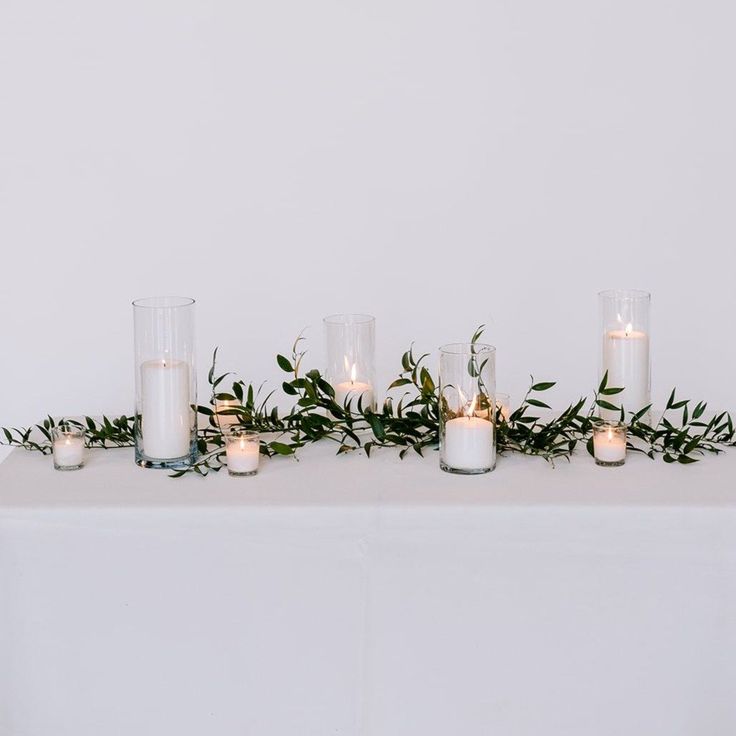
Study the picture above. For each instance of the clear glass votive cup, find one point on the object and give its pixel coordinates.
(609, 444)
(67, 443)
(226, 412)
(242, 450)
(503, 407)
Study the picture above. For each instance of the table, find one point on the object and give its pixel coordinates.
(341, 595)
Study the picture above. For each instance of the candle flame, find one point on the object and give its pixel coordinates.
(468, 407)
(242, 444)
(629, 329)
(610, 434)
(353, 373)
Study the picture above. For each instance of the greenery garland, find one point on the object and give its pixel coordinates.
(408, 420)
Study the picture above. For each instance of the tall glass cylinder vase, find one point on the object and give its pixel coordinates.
(625, 355)
(467, 408)
(165, 382)
(351, 349)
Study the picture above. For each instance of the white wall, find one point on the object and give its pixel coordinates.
(436, 164)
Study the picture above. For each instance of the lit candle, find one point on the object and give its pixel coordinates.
(225, 420)
(242, 449)
(609, 443)
(626, 358)
(353, 390)
(468, 441)
(166, 417)
(68, 448)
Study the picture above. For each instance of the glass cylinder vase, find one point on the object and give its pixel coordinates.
(467, 408)
(165, 382)
(351, 348)
(625, 354)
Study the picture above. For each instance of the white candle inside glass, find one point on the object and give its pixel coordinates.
(242, 455)
(609, 445)
(353, 391)
(626, 359)
(468, 441)
(68, 451)
(166, 418)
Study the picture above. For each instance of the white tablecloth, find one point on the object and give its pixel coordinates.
(381, 597)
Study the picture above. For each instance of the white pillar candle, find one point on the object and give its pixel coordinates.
(468, 443)
(626, 358)
(242, 456)
(166, 419)
(353, 391)
(68, 452)
(609, 445)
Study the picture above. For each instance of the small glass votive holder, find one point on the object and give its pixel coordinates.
(242, 450)
(226, 412)
(503, 407)
(67, 443)
(609, 444)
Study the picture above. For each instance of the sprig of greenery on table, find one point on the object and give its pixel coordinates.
(407, 420)
(104, 433)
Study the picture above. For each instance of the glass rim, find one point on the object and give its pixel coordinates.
(163, 302)
(467, 348)
(348, 319)
(241, 433)
(610, 424)
(625, 294)
(68, 430)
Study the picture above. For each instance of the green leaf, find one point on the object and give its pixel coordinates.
(289, 389)
(671, 400)
(543, 385)
(284, 364)
(376, 425)
(281, 448)
(399, 382)
(211, 374)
